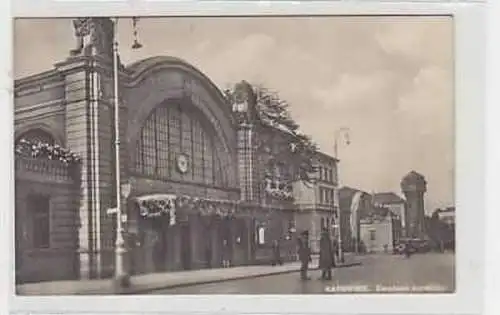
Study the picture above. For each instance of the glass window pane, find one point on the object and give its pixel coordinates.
(172, 130)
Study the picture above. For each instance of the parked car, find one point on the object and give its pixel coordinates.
(420, 245)
(400, 248)
(414, 246)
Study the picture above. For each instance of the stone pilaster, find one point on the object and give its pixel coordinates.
(78, 139)
(88, 79)
(90, 133)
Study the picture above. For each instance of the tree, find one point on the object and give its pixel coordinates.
(266, 108)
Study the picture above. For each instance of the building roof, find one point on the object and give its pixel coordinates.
(346, 195)
(413, 177)
(329, 158)
(386, 198)
(413, 181)
(450, 210)
(350, 190)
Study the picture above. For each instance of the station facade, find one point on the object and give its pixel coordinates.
(200, 194)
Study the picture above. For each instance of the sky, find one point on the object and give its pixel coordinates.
(388, 79)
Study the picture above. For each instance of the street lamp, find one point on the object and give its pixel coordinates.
(121, 277)
(341, 132)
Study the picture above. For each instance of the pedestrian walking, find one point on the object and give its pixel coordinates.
(158, 255)
(276, 254)
(304, 255)
(335, 248)
(326, 256)
(407, 250)
(225, 254)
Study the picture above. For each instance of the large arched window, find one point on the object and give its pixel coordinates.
(177, 143)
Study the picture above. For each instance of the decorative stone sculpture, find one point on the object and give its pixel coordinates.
(244, 102)
(94, 37)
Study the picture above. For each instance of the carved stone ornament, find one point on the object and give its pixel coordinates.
(244, 102)
(182, 163)
(94, 36)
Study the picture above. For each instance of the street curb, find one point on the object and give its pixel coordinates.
(202, 282)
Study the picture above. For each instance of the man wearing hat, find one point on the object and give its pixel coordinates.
(304, 255)
(326, 256)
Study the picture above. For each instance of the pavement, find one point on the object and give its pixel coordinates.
(148, 283)
(422, 273)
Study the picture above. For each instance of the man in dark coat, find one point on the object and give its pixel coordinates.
(326, 256)
(304, 255)
(276, 253)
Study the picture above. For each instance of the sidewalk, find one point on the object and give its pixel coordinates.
(150, 282)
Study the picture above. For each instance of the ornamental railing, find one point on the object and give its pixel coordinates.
(278, 189)
(48, 170)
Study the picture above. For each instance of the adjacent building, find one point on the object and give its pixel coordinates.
(372, 221)
(379, 230)
(442, 228)
(397, 208)
(354, 205)
(447, 215)
(376, 236)
(317, 207)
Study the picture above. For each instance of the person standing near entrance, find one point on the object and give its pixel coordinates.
(304, 255)
(326, 256)
(208, 256)
(277, 254)
(225, 254)
(158, 254)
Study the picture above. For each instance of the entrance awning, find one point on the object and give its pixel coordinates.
(157, 205)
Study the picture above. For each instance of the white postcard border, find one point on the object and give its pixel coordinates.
(470, 82)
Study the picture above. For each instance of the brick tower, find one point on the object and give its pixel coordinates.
(414, 186)
(245, 113)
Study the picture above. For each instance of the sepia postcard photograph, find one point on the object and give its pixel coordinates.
(234, 155)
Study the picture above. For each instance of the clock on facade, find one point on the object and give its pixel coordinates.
(182, 163)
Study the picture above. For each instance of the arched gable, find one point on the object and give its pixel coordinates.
(155, 81)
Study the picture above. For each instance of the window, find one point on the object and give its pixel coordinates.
(373, 235)
(39, 214)
(322, 195)
(331, 175)
(176, 129)
(320, 171)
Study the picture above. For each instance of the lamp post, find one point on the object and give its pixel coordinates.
(343, 131)
(121, 276)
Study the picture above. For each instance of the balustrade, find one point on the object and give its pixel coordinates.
(278, 189)
(51, 170)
